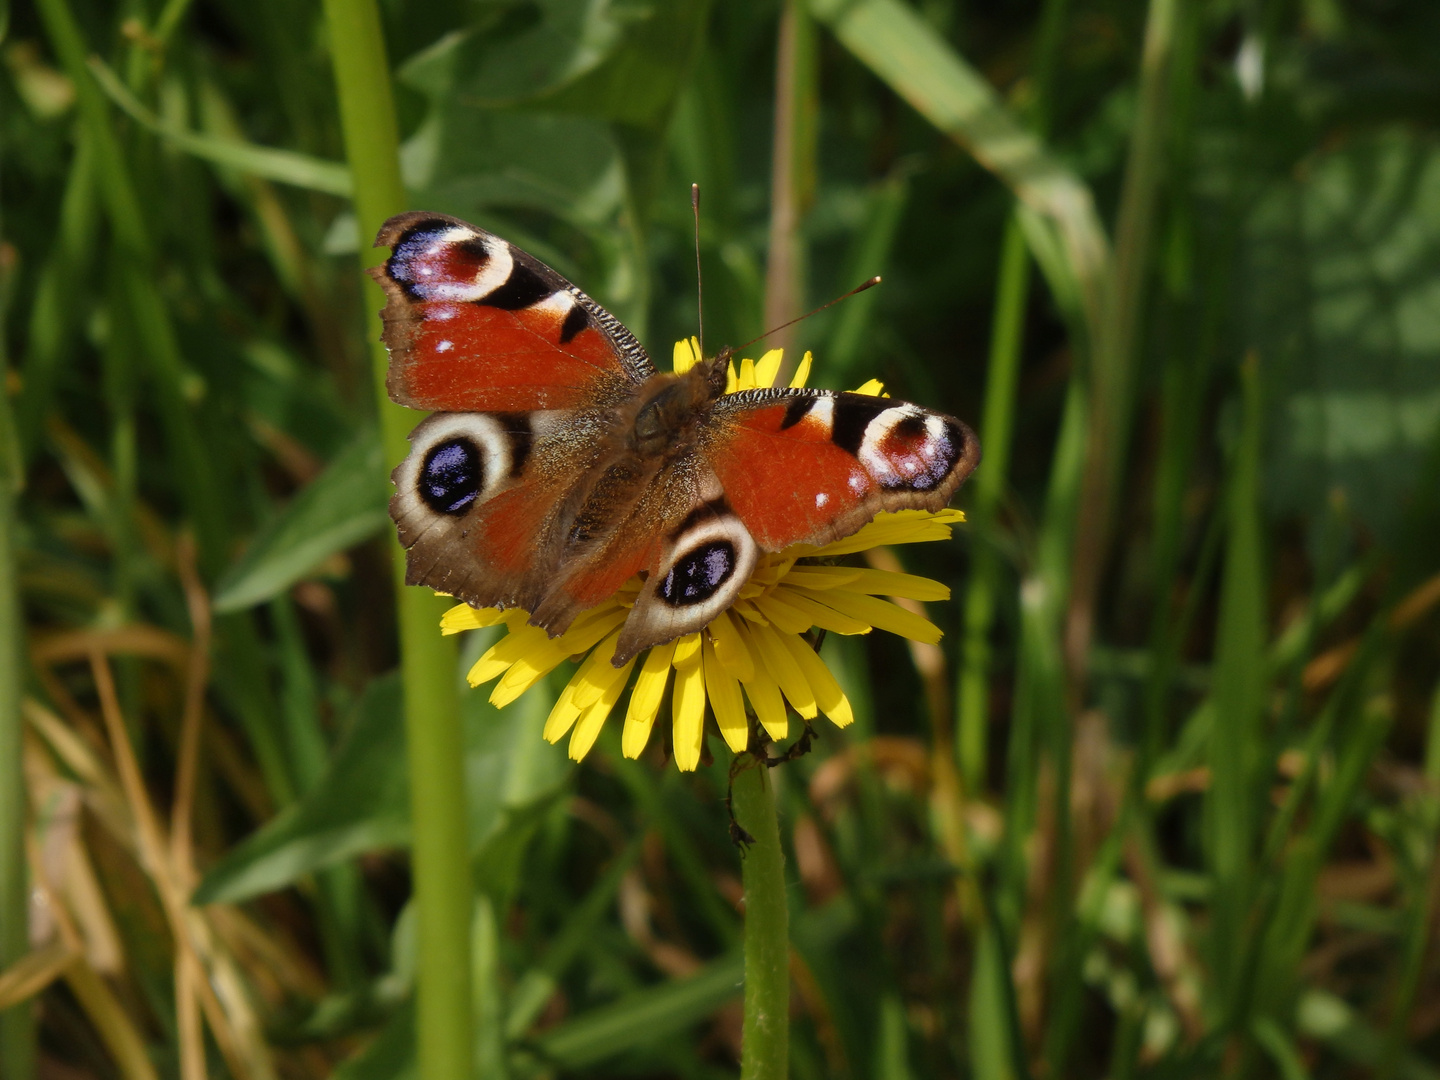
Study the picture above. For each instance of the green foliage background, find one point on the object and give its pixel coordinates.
(1166, 805)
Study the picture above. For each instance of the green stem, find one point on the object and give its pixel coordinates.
(440, 847)
(765, 1043)
(17, 1034)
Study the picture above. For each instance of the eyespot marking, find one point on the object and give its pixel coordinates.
(452, 476)
(905, 447)
(699, 574)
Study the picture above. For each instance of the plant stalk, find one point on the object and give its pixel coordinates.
(17, 1033)
(440, 847)
(765, 1041)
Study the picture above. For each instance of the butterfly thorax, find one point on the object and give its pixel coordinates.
(671, 409)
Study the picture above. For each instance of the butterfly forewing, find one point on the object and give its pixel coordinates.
(809, 467)
(475, 324)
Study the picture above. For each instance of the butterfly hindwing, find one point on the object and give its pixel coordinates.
(810, 466)
(475, 324)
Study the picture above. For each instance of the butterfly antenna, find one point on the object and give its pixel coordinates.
(699, 280)
(800, 318)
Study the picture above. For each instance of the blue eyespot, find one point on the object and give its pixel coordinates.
(698, 575)
(452, 475)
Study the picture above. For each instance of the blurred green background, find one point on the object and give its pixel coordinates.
(1164, 803)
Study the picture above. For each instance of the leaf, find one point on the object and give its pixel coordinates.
(639, 83)
(358, 805)
(344, 505)
(362, 802)
(1340, 295)
(509, 58)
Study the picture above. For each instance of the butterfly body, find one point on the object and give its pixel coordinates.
(559, 464)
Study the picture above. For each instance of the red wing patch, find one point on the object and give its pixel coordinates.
(809, 468)
(469, 357)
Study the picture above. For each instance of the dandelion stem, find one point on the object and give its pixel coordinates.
(765, 1047)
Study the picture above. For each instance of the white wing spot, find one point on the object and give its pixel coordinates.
(858, 481)
(444, 346)
(821, 499)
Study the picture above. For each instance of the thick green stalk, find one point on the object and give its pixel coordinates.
(765, 1043)
(440, 847)
(17, 1035)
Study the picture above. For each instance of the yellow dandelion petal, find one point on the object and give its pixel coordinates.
(768, 366)
(593, 718)
(688, 705)
(782, 615)
(873, 388)
(730, 647)
(645, 699)
(764, 694)
(587, 630)
(821, 578)
(687, 651)
(505, 652)
(747, 610)
(897, 527)
(821, 614)
(686, 356)
(562, 714)
(747, 375)
(828, 695)
(725, 700)
(892, 583)
(526, 672)
(732, 380)
(464, 617)
(802, 372)
(882, 613)
(781, 666)
(597, 674)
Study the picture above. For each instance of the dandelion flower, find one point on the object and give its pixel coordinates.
(755, 652)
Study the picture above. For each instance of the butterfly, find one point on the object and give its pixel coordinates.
(558, 463)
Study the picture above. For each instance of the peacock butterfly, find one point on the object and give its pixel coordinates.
(558, 463)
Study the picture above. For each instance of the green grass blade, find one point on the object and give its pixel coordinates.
(55, 323)
(282, 166)
(907, 53)
(1001, 382)
(17, 1034)
(642, 1017)
(1236, 737)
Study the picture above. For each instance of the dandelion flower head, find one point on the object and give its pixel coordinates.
(756, 651)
